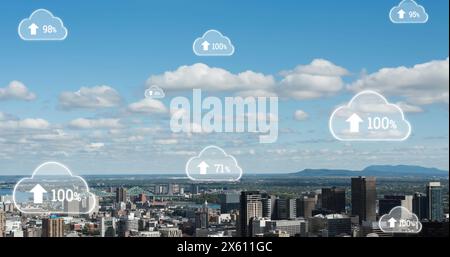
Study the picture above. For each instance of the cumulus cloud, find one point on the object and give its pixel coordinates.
(90, 97)
(207, 78)
(317, 79)
(168, 141)
(300, 115)
(16, 90)
(148, 106)
(9, 122)
(421, 84)
(83, 123)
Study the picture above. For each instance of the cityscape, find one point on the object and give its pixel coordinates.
(170, 206)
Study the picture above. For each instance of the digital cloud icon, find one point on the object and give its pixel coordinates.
(53, 189)
(400, 220)
(213, 164)
(42, 25)
(154, 92)
(369, 117)
(213, 43)
(408, 11)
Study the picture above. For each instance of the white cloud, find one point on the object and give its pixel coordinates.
(409, 108)
(421, 84)
(9, 122)
(148, 106)
(90, 97)
(317, 79)
(300, 115)
(83, 123)
(92, 147)
(16, 90)
(169, 141)
(207, 78)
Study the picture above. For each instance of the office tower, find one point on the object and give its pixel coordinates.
(52, 227)
(121, 195)
(202, 217)
(2, 223)
(286, 209)
(269, 206)
(229, 200)
(338, 224)
(386, 204)
(102, 227)
(251, 207)
(333, 199)
(420, 205)
(170, 189)
(194, 189)
(258, 226)
(292, 227)
(305, 206)
(364, 198)
(434, 195)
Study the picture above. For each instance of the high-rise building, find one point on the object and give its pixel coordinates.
(386, 204)
(434, 195)
(305, 206)
(420, 205)
(52, 227)
(229, 200)
(364, 197)
(202, 217)
(338, 224)
(269, 206)
(258, 226)
(2, 223)
(194, 189)
(333, 199)
(286, 209)
(121, 195)
(251, 207)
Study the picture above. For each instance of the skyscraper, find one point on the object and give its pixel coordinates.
(251, 206)
(52, 227)
(305, 206)
(229, 200)
(121, 195)
(269, 206)
(434, 195)
(364, 197)
(420, 205)
(333, 199)
(202, 217)
(286, 209)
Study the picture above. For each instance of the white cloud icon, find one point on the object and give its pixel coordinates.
(52, 188)
(42, 25)
(400, 220)
(213, 164)
(154, 92)
(408, 11)
(369, 117)
(213, 43)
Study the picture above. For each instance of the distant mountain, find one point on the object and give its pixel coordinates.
(376, 170)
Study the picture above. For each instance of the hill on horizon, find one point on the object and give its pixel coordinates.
(376, 170)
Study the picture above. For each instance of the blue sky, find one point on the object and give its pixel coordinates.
(121, 45)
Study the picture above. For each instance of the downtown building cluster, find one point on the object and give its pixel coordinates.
(173, 210)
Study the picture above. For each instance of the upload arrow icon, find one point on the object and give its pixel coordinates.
(38, 193)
